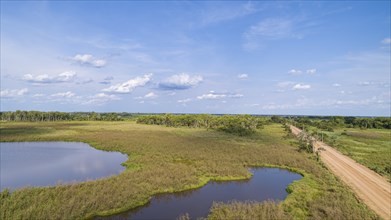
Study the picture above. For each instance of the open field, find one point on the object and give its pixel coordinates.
(163, 159)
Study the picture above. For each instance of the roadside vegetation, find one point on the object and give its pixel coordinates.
(168, 159)
(366, 140)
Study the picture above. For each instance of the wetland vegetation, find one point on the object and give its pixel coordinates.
(171, 159)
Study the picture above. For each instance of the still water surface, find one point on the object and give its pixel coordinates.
(48, 163)
(266, 184)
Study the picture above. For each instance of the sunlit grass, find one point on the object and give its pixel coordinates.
(163, 159)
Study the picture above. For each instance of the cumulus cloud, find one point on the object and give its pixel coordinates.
(242, 76)
(68, 94)
(300, 86)
(213, 95)
(45, 78)
(11, 93)
(100, 99)
(386, 41)
(88, 60)
(295, 72)
(129, 86)
(180, 82)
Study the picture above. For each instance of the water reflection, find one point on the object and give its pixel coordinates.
(266, 184)
(50, 163)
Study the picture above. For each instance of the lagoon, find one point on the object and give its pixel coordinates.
(49, 163)
(265, 184)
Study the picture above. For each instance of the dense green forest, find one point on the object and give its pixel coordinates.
(36, 116)
(232, 122)
(332, 122)
(236, 124)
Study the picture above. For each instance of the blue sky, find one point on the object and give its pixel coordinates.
(311, 58)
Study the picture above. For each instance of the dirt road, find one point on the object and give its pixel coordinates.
(372, 188)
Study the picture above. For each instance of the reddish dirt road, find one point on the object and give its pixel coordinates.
(373, 189)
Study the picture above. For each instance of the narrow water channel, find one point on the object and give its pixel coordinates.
(49, 163)
(266, 184)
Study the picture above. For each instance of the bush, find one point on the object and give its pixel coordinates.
(241, 125)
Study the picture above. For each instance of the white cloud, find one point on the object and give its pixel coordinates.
(386, 41)
(150, 95)
(68, 94)
(364, 83)
(277, 28)
(285, 84)
(330, 103)
(336, 85)
(45, 78)
(11, 93)
(295, 72)
(85, 81)
(213, 95)
(223, 13)
(300, 86)
(298, 72)
(376, 84)
(311, 71)
(184, 100)
(180, 82)
(100, 99)
(273, 28)
(129, 86)
(242, 76)
(89, 60)
(38, 95)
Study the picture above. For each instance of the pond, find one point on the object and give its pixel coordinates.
(265, 184)
(49, 163)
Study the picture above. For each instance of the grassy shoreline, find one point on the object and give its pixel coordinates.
(162, 159)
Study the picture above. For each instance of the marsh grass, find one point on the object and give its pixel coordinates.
(166, 159)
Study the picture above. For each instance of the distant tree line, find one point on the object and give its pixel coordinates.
(332, 122)
(237, 124)
(38, 116)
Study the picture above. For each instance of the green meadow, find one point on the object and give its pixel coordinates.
(168, 159)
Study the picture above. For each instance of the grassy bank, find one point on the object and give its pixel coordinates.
(163, 159)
